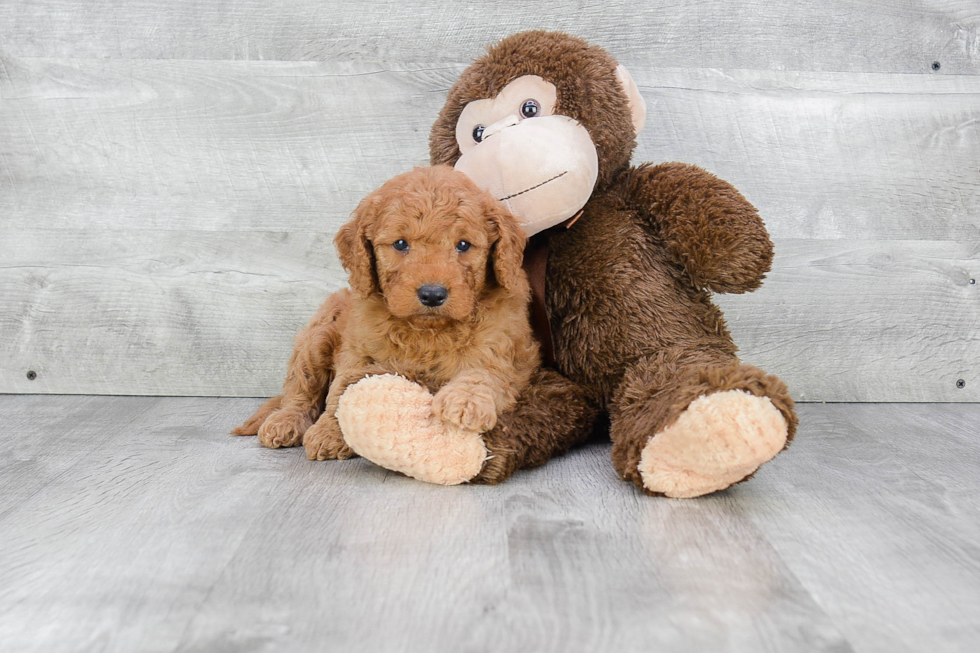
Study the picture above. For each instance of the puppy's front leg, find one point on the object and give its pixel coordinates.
(310, 368)
(474, 398)
(324, 440)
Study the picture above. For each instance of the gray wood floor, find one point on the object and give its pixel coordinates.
(137, 524)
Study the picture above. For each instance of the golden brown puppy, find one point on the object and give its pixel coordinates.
(439, 297)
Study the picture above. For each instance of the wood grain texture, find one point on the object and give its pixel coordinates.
(844, 35)
(167, 200)
(844, 320)
(826, 155)
(205, 145)
(202, 313)
(148, 528)
(874, 509)
(294, 146)
(158, 312)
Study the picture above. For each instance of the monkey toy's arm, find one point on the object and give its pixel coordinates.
(706, 225)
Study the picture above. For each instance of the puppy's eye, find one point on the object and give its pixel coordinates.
(478, 133)
(462, 246)
(401, 245)
(530, 108)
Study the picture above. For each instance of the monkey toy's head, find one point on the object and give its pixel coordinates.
(541, 121)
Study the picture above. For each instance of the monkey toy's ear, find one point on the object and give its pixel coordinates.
(638, 106)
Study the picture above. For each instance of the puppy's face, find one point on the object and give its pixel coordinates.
(431, 251)
(432, 243)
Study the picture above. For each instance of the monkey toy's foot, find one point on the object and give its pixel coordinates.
(389, 420)
(719, 439)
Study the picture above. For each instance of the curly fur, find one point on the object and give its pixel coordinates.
(475, 351)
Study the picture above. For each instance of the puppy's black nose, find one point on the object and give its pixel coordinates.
(433, 295)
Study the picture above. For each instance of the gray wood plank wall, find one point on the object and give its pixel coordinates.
(172, 174)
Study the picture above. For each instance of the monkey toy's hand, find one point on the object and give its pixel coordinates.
(390, 421)
(706, 224)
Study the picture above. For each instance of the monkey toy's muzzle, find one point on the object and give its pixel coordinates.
(543, 169)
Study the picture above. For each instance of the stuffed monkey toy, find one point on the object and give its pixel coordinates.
(624, 264)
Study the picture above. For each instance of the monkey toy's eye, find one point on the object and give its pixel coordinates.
(401, 245)
(478, 133)
(530, 108)
(462, 246)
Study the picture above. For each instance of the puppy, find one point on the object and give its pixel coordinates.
(437, 295)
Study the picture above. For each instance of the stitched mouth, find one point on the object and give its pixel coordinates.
(527, 190)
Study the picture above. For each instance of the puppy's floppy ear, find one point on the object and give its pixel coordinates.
(355, 249)
(507, 253)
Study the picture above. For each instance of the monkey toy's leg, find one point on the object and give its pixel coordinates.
(282, 420)
(553, 415)
(688, 422)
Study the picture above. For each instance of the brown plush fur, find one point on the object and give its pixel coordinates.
(628, 287)
(475, 351)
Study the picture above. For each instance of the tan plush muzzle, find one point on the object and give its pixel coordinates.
(543, 169)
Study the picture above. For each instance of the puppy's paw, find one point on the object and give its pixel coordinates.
(284, 428)
(324, 441)
(467, 406)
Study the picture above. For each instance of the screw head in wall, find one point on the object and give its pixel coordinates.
(960, 383)
(31, 375)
